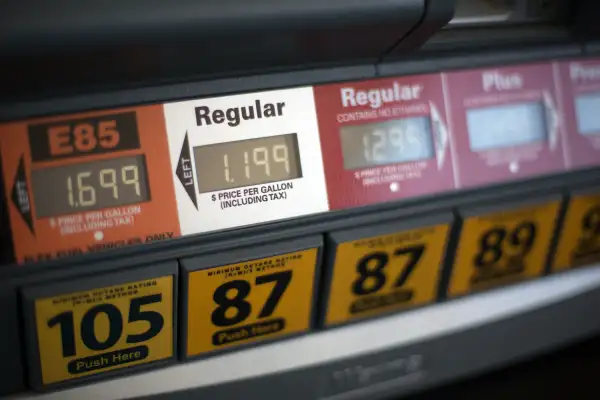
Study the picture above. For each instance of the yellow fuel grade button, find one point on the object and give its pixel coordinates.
(100, 325)
(579, 242)
(249, 296)
(380, 269)
(503, 244)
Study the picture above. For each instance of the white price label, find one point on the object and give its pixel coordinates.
(245, 159)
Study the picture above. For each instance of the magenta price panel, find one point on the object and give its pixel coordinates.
(581, 104)
(505, 123)
(384, 139)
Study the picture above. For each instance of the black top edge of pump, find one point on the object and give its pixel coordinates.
(69, 47)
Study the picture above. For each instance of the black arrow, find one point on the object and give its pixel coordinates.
(184, 171)
(20, 195)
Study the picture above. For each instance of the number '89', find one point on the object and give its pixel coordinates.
(500, 242)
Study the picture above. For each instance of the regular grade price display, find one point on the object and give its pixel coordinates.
(373, 275)
(103, 329)
(395, 141)
(579, 243)
(502, 247)
(247, 302)
(247, 162)
(245, 159)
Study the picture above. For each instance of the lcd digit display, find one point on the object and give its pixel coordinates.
(89, 186)
(230, 165)
(396, 141)
(587, 108)
(506, 126)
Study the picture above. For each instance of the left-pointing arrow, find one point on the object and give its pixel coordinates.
(184, 171)
(20, 196)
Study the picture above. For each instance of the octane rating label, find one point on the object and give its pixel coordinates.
(380, 274)
(104, 329)
(580, 238)
(503, 247)
(250, 301)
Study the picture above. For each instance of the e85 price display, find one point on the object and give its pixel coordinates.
(579, 243)
(503, 245)
(93, 326)
(261, 298)
(87, 182)
(385, 268)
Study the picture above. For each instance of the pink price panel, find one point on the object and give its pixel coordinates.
(384, 139)
(580, 85)
(505, 123)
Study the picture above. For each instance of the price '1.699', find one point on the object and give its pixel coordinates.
(90, 186)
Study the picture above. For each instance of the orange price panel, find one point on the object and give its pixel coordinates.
(99, 326)
(87, 182)
(503, 244)
(249, 296)
(579, 242)
(377, 270)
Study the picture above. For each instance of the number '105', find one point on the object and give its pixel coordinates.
(88, 333)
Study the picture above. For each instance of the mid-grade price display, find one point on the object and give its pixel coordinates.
(396, 141)
(89, 186)
(379, 274)
(246, 302)
(503, 247)
(247, 162)
(588, 118)
(103, 329)
(579, 243)
(506, 126)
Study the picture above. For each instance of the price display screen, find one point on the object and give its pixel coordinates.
(396, 141)
(506, 126)
(89, 186)
(588, 118)
(247, 162)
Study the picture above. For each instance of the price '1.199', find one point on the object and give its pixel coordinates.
(247, 162)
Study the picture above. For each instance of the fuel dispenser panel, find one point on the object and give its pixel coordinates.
(189, 229)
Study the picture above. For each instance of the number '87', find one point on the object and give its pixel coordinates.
(232, 306)
(87, 331)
